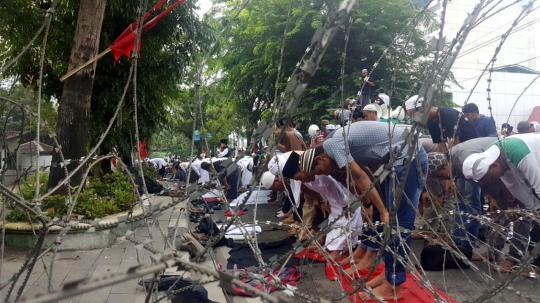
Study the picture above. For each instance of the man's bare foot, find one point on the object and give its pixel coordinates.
(334, 255)
(386, 292)
(358, 254)
(367, 260)
(350, 271)
(321, 240)
(377, 281)
(305, 236)
(506, 266)
(478, 257)
(531, 272)
(288, 220)
(293, 231)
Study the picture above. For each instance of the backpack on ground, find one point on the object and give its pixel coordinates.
(437, 258)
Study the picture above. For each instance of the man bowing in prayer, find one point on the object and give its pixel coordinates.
(368, 144)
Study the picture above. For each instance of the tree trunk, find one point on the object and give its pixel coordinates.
(74, 111)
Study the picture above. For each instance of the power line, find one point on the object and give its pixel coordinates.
(483, 44)
(503, 66)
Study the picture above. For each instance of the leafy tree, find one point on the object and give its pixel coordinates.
(164, 63)
(250, 54)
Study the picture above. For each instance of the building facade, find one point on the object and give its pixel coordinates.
(517, 64)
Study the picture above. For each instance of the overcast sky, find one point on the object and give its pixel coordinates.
(205, 6)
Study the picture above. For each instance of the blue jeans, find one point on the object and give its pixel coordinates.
(395, 271)
(467, 226)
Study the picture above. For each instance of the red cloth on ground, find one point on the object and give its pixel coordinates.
(413, 291)
(211, 199)
(229, 213)
(313, 255)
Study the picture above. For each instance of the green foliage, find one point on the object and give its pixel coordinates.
(149, 170)
(101, 197)
(16, 119)
(251, 53)
(164, 62)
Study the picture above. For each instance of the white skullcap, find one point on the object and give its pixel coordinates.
(370, 107)
(477, 165)
(277, 163)
(267, 180)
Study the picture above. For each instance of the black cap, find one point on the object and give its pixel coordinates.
(223, 141)
(292, 165)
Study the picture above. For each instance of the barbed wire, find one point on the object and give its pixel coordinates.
(293, 93)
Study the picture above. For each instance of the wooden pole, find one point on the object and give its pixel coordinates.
(73, 72)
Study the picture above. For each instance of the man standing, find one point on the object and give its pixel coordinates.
(223, 150)
(324, 123)
(366, 85)
(369, 145)
(290, 141)
(484, 126)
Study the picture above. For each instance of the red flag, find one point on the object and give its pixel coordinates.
(143, 151)
(125, 43)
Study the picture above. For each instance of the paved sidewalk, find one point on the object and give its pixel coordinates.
(74, 265)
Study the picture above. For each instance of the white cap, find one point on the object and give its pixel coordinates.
(277, 163)
(370, 107)
(476, 165)
(267, 180)
(330, 127)
(413, 102)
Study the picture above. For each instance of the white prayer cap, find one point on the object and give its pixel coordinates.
(267, 180)
(477, 165)
(277, 163)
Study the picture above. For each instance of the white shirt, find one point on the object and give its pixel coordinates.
(158, 163)
(385, 98)
(196, 166)
(337, 196)
(330, 190)
(223, 153)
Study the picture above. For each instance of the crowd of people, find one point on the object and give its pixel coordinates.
(461, 162)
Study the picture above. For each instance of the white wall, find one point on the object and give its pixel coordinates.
(29, 160)
(520, 46)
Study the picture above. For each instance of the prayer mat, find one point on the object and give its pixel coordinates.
(413, 290)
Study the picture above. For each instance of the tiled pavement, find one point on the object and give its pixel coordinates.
(74, 265)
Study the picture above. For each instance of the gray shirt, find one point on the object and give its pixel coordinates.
(344, 115)
(369, 144)
(460, 152)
